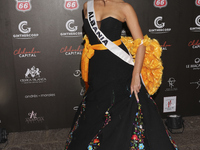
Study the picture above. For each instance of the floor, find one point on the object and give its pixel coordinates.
(55, 139)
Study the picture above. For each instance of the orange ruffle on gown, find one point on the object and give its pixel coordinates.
(152, 69)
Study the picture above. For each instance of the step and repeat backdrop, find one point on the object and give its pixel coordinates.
(40, 51)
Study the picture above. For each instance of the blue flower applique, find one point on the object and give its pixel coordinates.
(90, 147)
(141, 146)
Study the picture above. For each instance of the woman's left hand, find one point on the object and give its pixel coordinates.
(135, 86)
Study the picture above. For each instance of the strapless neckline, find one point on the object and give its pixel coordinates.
(110, 26)
(107, 18)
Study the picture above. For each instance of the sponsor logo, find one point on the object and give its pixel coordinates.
(23, 53)
(82, 92)
(194, 44)
(169, 104)
(197, 2)
(165, 46)
(195, 66)
(77, 73)
(40, 96)
(171, 82)
(124, 32)
(22, 29)
(32, 75)
(33, 118)
(23, 5)
(159, 24)
(197, 22)
(71, 4)
(198, 83)
(25, 31)
(69, 50)
(72, 30)
(160, 3)
(33, 72)
(68, 25)
(75, 108)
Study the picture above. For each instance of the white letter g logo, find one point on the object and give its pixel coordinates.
(157, 24)
(69, 28)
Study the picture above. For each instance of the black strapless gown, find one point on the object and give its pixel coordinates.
(109, 89)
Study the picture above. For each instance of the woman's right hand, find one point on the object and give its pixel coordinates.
(135, 86)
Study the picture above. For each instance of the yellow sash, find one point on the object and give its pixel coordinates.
(87, 54)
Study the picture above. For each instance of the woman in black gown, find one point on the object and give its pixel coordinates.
(108, 117)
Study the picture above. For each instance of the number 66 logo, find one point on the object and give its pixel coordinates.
(160, 3)
(197, 2)
(23, 5)
(71, 4)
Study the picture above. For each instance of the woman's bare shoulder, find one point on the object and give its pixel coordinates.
(127, 9)
(85, 9)
(126, 6)
(85, 5)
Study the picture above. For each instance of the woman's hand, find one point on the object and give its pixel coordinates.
(135, 86)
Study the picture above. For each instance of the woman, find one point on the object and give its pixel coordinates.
(117, 112)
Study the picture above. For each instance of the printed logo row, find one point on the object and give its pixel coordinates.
(71, 51)
(72, 29)
(32, 53)
(25, 5)
(25, 31)
(172, 81)
(163, 3)
(33, 75)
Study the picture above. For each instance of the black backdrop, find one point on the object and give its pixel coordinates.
(40, 51)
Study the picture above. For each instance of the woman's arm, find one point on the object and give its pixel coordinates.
(134, 27)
